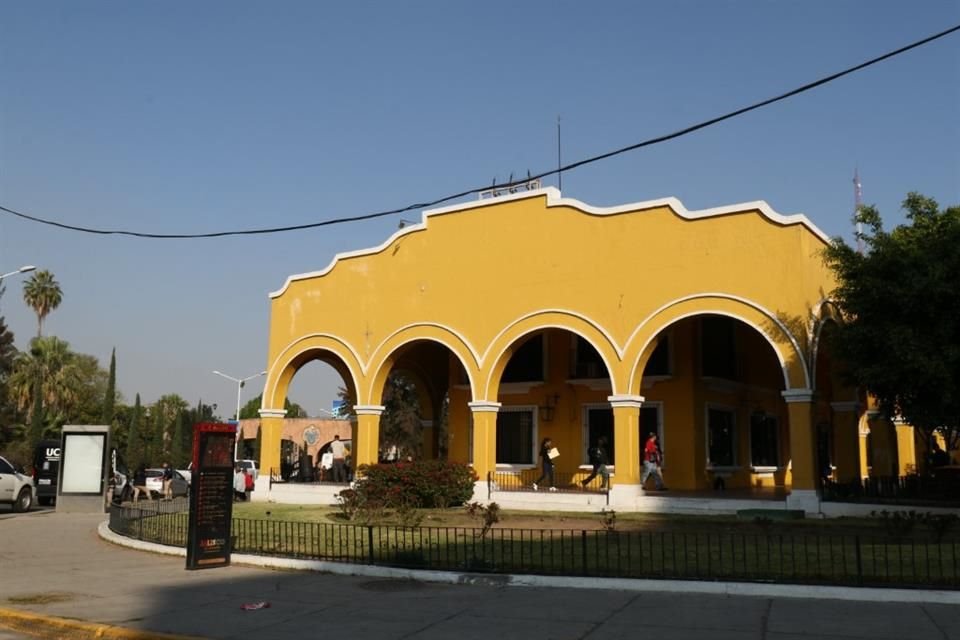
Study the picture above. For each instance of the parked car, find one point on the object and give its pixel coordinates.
(187, 473)
(16, 488)
(46, 469)
(155, 484)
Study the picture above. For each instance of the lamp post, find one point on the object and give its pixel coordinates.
(240, 382)
(25, 268)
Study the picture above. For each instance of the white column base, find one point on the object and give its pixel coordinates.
(805, 499)
(622, 495)
(481, 493)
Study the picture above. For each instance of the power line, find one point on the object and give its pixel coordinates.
(462, 194)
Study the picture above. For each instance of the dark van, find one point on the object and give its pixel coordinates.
(46, 467)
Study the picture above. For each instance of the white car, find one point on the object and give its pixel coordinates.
(16, 488)
(155, 483)
(250, 466)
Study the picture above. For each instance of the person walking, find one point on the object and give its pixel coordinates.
(597, 455)
(339, 452)
(140, 483)
(547, 454)
(652, 463)
(248, 484)
(167, 481)
(239, 484)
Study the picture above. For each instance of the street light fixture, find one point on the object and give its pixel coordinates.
(25, 268)
(240, 382)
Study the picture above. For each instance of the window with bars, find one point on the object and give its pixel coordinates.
(718, 349)
(721, 437)
(764, 441)
(597, 423)
(516, 436)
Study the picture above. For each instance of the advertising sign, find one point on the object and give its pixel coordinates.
(211, 496)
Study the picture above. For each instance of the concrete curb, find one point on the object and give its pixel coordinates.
(28, 622)
(570, 582)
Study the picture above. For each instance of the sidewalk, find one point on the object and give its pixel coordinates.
(58, 567)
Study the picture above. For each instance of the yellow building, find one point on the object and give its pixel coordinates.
(537, 315)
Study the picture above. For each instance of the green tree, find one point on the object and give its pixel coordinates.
(252, 408)
(400, 423)
(178, 453)
(52, 385)
(42, 293)
(901, 302)
(346, 397)
(110, 398)
(166, 412)
(8, 354)
(135, 445)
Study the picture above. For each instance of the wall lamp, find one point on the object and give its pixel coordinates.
(546, 410)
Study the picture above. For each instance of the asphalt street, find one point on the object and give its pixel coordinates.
(55, 566)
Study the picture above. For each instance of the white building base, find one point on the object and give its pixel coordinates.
(806, 500)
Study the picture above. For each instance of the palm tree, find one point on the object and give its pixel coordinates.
(43, 294)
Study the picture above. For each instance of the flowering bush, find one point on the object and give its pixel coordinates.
(427, 483)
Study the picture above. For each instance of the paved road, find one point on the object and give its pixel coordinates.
(58, 566)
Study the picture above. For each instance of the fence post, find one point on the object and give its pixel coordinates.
(583, 549)
(370, 543)
(856, 542)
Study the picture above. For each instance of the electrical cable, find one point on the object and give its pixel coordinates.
(463, 194)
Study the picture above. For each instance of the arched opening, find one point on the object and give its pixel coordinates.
(712, 393)
(312, 389)
(424, 378)
(554, 384)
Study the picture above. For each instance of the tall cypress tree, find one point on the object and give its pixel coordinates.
(134, 438)
(176, 442)
(110, 398)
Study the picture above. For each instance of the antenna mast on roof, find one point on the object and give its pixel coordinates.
(559, 173)
(857, 202)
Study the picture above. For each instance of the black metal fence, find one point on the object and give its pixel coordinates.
(525, 479)
(942, 489)
(923, 560)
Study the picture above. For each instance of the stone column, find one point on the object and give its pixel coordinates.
(271, 427)
(846, 440)
(803, 451)
(366, 435)
(626, 436)
(484, 443)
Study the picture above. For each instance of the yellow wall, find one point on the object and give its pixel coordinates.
(479, 277)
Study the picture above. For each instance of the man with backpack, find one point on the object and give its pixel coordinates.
(597, 455)
(652, 462)
(167, 481)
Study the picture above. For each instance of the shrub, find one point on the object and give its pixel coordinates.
(488, 515)
(940, 524)
(359, 507)
(427, 483)
(898, 524)
(608, 520)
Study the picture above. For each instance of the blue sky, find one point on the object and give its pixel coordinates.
(196, 117)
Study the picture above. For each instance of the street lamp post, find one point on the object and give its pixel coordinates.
(25, 268)
(240, 382)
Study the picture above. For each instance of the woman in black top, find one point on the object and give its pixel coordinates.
(547, 473)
